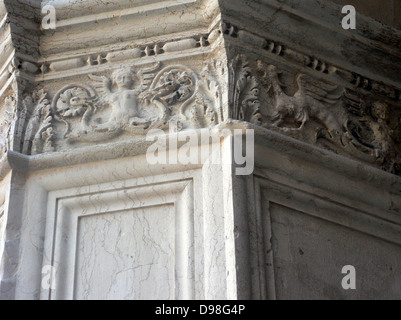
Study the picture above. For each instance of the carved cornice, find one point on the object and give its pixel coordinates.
(314, 28)
(52, 66)
(222, 68)
(57, 61)
(136, 53)
(74, 13)
(287, 54)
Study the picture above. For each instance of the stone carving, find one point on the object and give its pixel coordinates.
(244, 93)
(174, 84)
(146, 50)
(112, 106)
(132, 103)
(314, 113)
(39, 132)
(125, 101)
(75, 101)
(291, 113)
(302, 60)
(205, 109)
(374, 134)
(8, 118)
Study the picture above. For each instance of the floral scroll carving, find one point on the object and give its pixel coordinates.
(132, 102)
(39, 131)
(128, 102)
(244, 93)
(7, 120)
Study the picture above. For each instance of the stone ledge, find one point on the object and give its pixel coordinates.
(263, 138)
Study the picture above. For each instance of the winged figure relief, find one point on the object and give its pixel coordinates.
(342, 124)
(112, 106)
(125, 100)
(128, 101)
(311, 101)
(175, 94)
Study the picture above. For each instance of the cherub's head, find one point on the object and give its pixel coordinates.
(123, 78)
(271, 70)
(380, 111)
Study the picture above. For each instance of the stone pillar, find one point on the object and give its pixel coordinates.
(86, 214)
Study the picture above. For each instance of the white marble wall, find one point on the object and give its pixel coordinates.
(132, 243)
(123, 229)
(126, 255)
(82, 203)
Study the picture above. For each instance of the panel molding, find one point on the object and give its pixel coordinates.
(263, 191)
(62, 227)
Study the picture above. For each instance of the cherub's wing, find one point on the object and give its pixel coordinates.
(327, 93)
(146, 76)
(101, 84)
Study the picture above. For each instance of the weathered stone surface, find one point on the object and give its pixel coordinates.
(387, 12)
(79, 196)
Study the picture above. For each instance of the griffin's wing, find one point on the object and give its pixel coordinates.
(146, 76)
(354, 105)
(322, 91)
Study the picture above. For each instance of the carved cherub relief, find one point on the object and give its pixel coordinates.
(119, 94)
(124, 101)
(382, 134)
(372, 134)
(134, 103)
